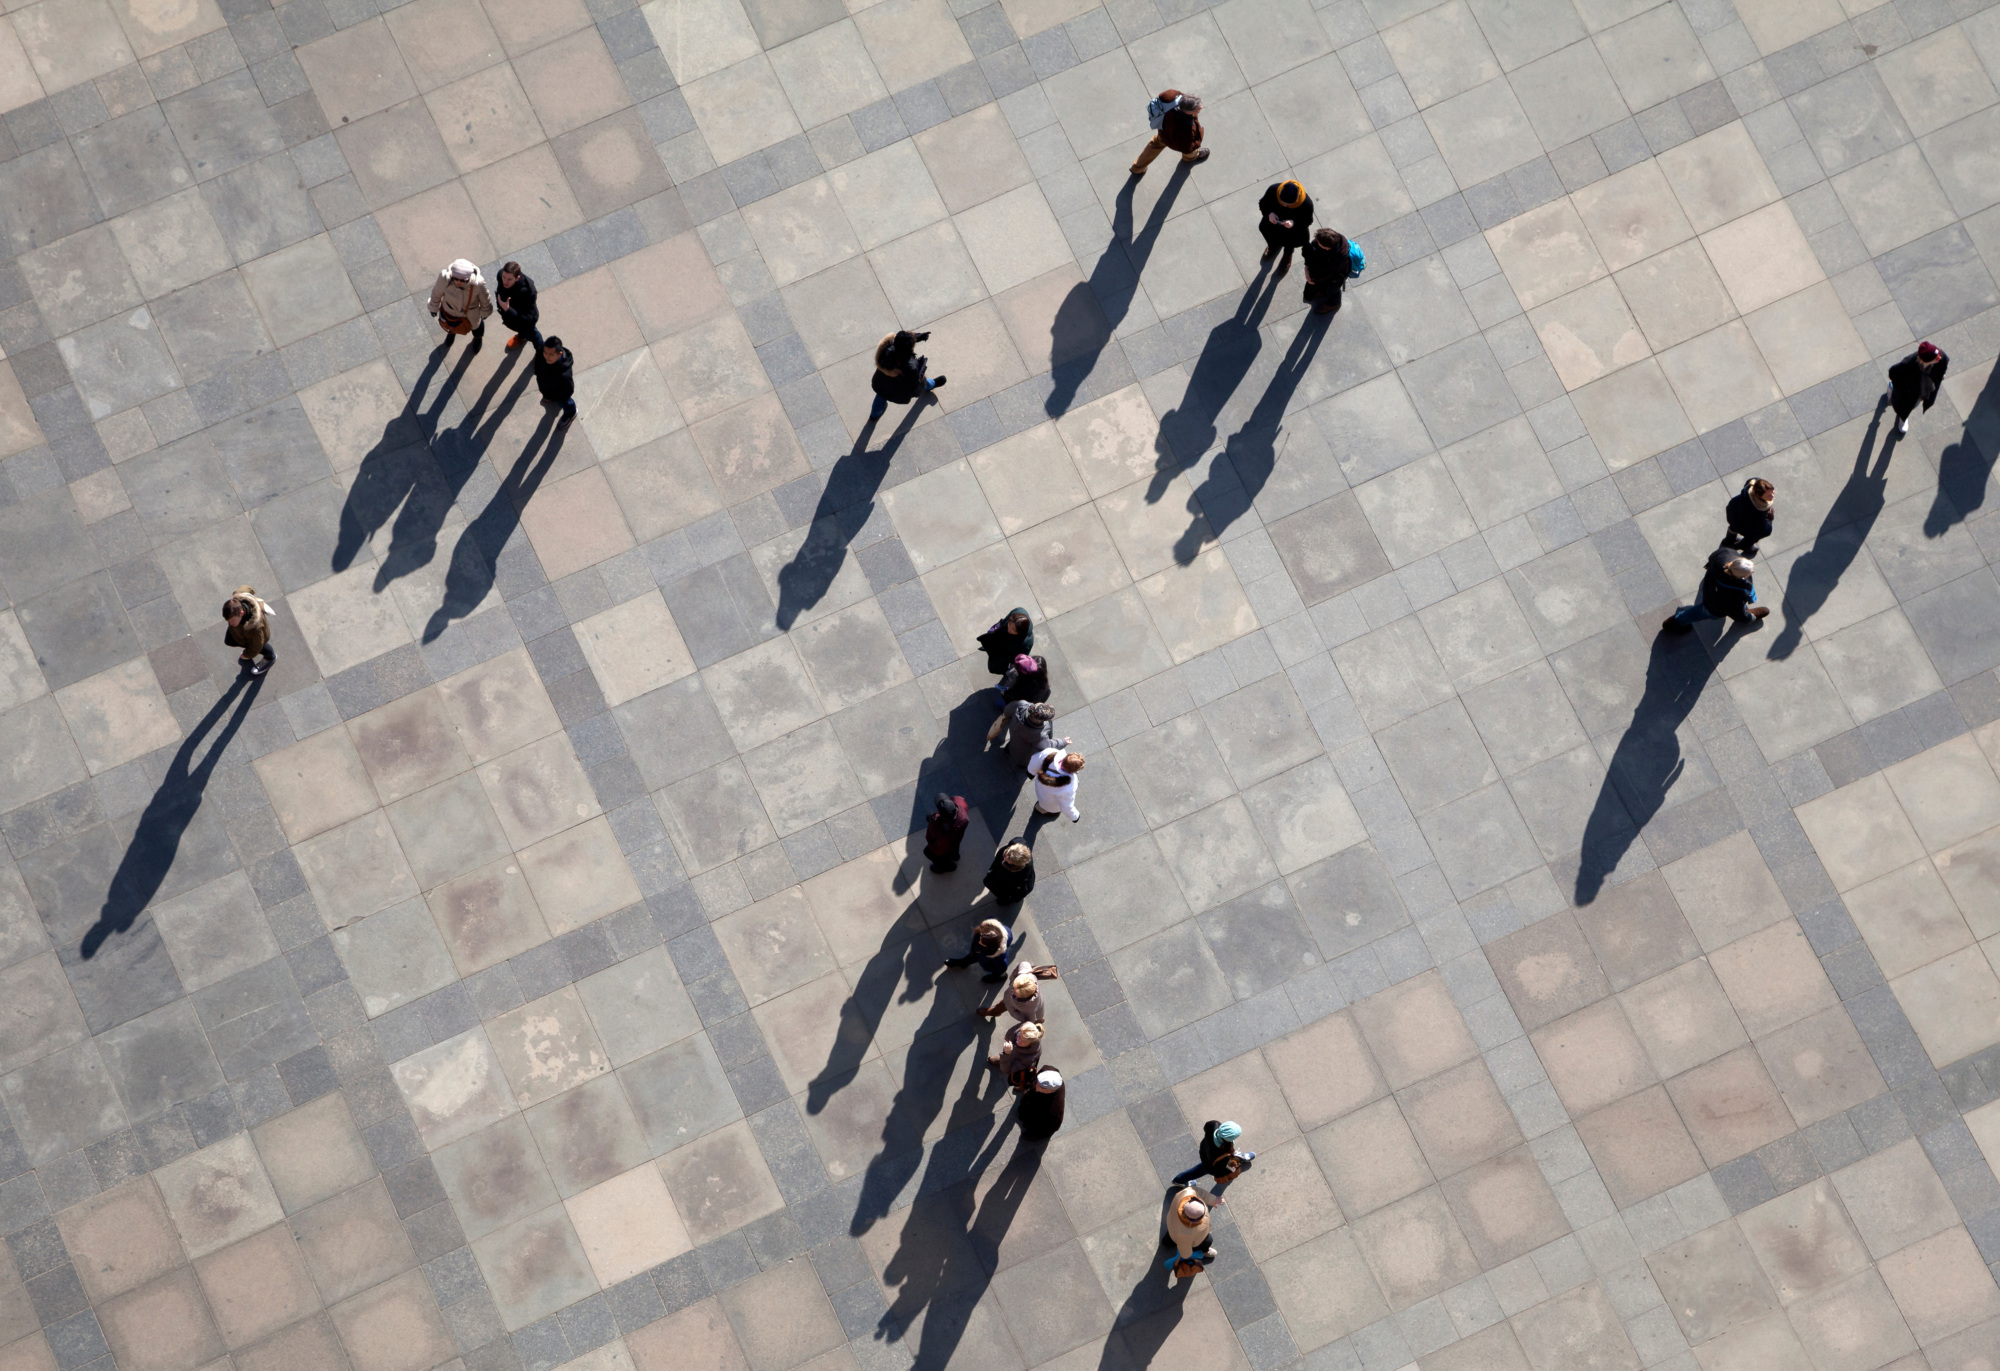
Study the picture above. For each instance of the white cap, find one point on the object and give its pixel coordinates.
(463, 270)
(1048, 1079)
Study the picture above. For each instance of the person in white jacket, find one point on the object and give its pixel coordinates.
(1055, 773)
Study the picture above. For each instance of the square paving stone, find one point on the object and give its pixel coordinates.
(223, 125)
(454, 1088)
(164, 1326)
(219, 1195)
(534, 1267)
(313, 1153)
(65, 1101)
(495, 1177)
(588, 1135)
(121, 1239)
(258, 1286)
(43, 198)
(160, 1060)
(395, 1326)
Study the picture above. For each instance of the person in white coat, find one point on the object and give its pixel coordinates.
(1055, 773)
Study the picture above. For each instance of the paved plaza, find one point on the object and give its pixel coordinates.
(537, 967)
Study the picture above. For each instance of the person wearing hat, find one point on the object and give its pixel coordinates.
(460, 303)
(1749, 513)
(1011, 878)
(1023, 996)
(1041, 1109)
(945, 830)
(1287, 221)
(991, 942)
(1055, 774)
(1027, 679)
(1728, 591)
(899, 372)
(249, 627)
(1915, 380)
(1220, 1157)
(1187, 1229)
(1179, 128)
(555, 376)
(1023, 1055)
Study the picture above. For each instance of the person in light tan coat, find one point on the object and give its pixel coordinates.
(460, 302)
(1187, 1228)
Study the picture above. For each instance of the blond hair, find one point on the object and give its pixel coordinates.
(1024, 985)
(1028, 1034)
(1016, 856)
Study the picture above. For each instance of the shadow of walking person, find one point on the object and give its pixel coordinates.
(1965, 469)
(844, 506)
(1841, 533)
(1150, 1314)
(962, 764)
(901, 955)
(157, 840)
(398, 464)
(1648, 758)
(1233, 482)
(948, 1253)
(475, 559)
(455, 454)
(1093, 309)
(1188, 429)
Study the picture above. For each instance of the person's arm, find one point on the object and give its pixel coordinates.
(437, 294)
(1069, 801)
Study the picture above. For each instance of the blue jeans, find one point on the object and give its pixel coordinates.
(1696, 612)
(881, 406)
(1200, 1169)
(995, 965)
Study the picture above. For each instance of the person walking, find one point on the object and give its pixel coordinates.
(1011, 878)
(248, 618)
(1220, 1157)
(945, 830)
(899, 372)
(1027, 679)
(1287, 222)
(991, 942)
(1022, 1055)
(1329, 259)
(1187, 1230)
(555, 376)
(459, 302)
(1749, 513)
(1176, 120)
(1915, 380)
(1055, 774)
(1007, 640)
(1728, 591)
(1041, 1109)
(518, 310)
(1026, 725)
(1023, 996)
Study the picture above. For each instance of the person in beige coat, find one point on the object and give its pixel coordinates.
(1187, 1228)
(249, 627)
(461, 302)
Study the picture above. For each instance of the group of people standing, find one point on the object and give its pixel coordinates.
(461, 304)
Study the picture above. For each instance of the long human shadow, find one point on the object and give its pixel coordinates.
(844, 506)
(1149, 1315)
(1093, 309)
(157, 840)
(1228, 353)
(1232, 485)
(1841, 533)
(962, 764)
(455, 454)
(945, 1261)
(395, 470)
(901, 960)
(1963, 468)
(475, 559)
(1648, 758)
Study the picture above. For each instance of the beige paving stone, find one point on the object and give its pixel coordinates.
(433, 227)
(781, 1317)
(1247, 1093)
(71, 41)
(534, 1267)
(1640, 1145)
(1589, 333)
(634, 648)
(1325, 1289)
(345, 623)
(1804, 1240)
(1414, 1030)
(1726, 891)
(1632, 414)
(1548, 970)
(547, 1047)
(257, 1286)
(1634, 214)
(312, 1153)
(1936, 80)
(350, 412)
(1772, 979)
(1852, 1325)
(719, 1183)
(576, 523)
(774, 945)
(484, 117)
(538, 790)
(750, 449)
(1762, 257)
(1675, 296)
(1459, 1118)
(120, 1239)
(219, 1195)
(1908, 918)
(1720, 376)
(1712, 1282)
(355, 870)
(394, 1327)
(408, 745)
(356, 72)
(1505, 1208)
(1894, 1198)
(1683, 1017)
(522, 199)
(1948, 792)
(701, 1332)
(1370, 1158)
(1577, 1328)
(1954, 1004)
(1941, 1285)
(353, 1241)
(164, 1326)
(1593, 1057)
(1325, 1070)
(627, 1225)
(1730, 1106)
(454, 1088)
(571, 82)
(1415, 1248)
(1546, 253)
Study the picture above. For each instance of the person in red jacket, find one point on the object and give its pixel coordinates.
(1180, 129)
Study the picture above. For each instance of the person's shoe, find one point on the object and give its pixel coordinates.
(477, 343)
(1283, 267)
(1197, 159)
(939, 383)
(994, 979)
(513, 342)
(1672, 624)
(568, 418)
(1903, 427)
(260, 668)
(1760, 611)
(1135, 172)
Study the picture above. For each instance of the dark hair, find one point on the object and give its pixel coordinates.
(905, 342)
(552, 342)
(514, 267)
(1329, 239)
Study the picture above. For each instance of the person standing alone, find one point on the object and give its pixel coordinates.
(1915, 380)
(249, 627)
(1178, 121)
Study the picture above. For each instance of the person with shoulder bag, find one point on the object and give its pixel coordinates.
(1176, 118)
(460, 302)
(1330, 260)
(899, 372)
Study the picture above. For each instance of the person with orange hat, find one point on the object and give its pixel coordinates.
(1915, 380)
(1287, 222)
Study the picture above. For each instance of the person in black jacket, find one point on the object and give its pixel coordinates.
(1027, 679)
(1728, 591)
(555, 376)
(1915, 380)
(1041, 1109)
(516, 302)
(1011, 878)
(1180, 129)
(945, 830)
(1287, 221)
(991, 942)
(1007, 640)
(1220, 1157)
(1749, 513)
(899, 372)
(1327, 268)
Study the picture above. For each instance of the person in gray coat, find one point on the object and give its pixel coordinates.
(1027, 727)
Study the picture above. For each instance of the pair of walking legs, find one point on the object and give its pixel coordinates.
(1157, 145)
(881, 406)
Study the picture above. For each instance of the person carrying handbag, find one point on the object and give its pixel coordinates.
(460, 302)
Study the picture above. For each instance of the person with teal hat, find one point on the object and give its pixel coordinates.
(1220, 1157)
